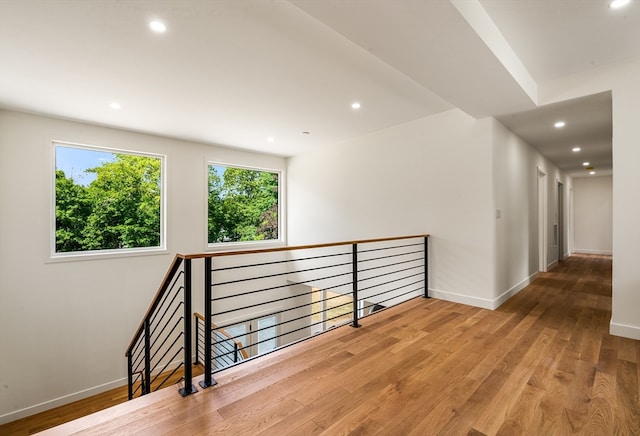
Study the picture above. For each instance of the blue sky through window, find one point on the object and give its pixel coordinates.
(75, 161)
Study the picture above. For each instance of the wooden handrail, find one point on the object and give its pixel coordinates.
(297, 247)
(227, 335)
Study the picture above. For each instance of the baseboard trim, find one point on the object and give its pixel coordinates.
(483, 303)
(60, 401)
(514, 290)
(461, 298)
(626, 331)
(605, 252)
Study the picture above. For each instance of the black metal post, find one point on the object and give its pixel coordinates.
(197, 341)
(235, 352)
(188, 376)
(426, 267)
(355, 285)
(208, 380)
(146, 381)
(130, 376)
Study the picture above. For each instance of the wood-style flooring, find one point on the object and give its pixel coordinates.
(541, 364)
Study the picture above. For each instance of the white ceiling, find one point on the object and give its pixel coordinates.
(235, 72)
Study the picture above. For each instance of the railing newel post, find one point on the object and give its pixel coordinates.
(208, 283)
(129, 376)
(426, 267)
(146, 381)
(188, 373)
(355, 285)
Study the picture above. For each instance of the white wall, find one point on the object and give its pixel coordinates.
(623, 81)
(431, 175)
(64, 326)
(593, 214)
(515, 173)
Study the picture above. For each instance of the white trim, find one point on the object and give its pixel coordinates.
(483, 303)
(248, 245)
(454, 297)
(66, 399)
(588, 251)
(55, 256)
(625, 331)
(542, 197)
(514, 290)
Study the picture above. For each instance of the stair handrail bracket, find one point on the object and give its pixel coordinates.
(258, 301)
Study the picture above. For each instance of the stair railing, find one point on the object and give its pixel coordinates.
(226, 349)
(273, 297)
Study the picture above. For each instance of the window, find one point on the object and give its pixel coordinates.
(106, 200)
(243, 205)
(252, 337)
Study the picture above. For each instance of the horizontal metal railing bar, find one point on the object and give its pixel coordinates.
(175, 264)
(298, 247)
(292, 308)
(294, 331)
(369, 250)
(389, 256)
(218, 329)
(286, 273)
(389, 274)
(389, 290)
(276, 262)
(386, 266)
(400, 295)
(298, 318)
(271, 301)
(286, 285)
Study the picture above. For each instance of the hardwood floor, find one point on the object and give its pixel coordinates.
(541, 364)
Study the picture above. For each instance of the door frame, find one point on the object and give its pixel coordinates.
(542, 219)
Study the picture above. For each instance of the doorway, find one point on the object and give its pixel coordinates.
(542, 220)
(560, 221)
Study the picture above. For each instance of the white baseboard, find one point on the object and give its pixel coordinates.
(483, 303)
(461, 298)
(626, 331)
(514, 290)
(587, 251)
(60, 401)
(66, 399)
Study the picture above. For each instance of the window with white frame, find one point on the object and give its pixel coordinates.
(106, 200)
(243, 205)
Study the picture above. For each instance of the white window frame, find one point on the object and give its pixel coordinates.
(239, 245)
(107, 253)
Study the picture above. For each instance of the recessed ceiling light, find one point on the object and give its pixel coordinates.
(585, 164)
(305, 133)
(559, 124)
(615, 4)
(270, 139)
(592, 172)
(115, 105)
(355, 105)
(157, 26)
(576, 149)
